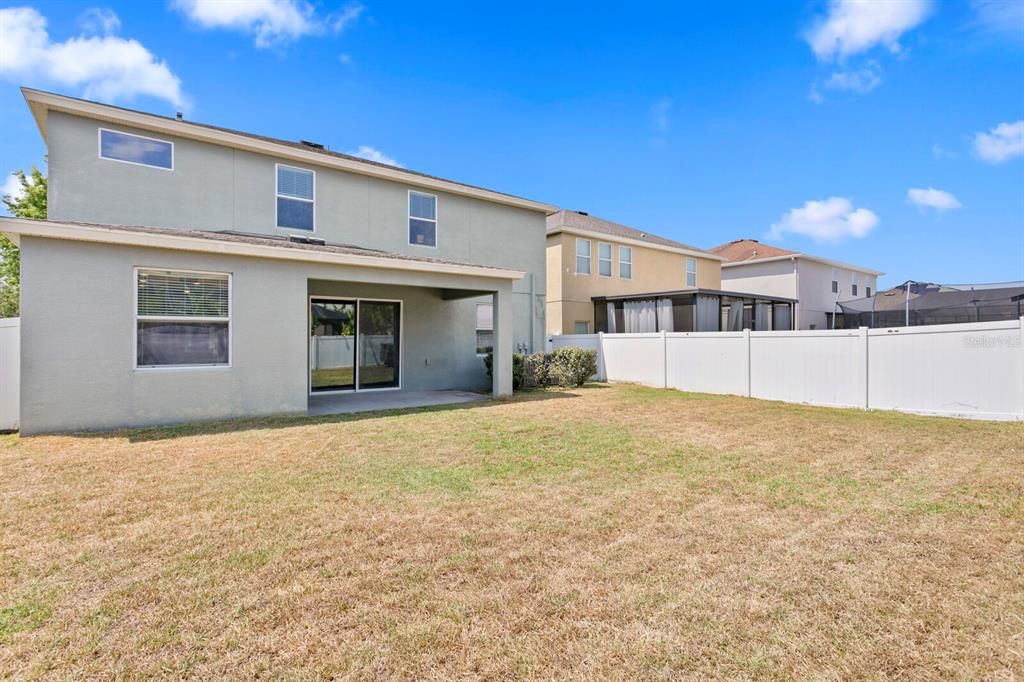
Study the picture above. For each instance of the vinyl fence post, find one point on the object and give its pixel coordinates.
(865, 365)
(1022, 368)
(601, 375)
(746, 337)
(664, 359)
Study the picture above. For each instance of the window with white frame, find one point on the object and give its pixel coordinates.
(835, 282)
(625, 262)
(182, 318)
(484, 328)
(422, 219)
(142, 151)
(853, 285)
(691, 272)
(296, 195)
(867, 291)
(581, 327)
(604, 259)
(582, 256)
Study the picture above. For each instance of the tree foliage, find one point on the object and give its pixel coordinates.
(30, 203)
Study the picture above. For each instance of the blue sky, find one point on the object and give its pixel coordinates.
(887, 134)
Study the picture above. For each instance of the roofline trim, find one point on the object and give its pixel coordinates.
(40, 102)
(694, 291)
(179, 242)
(817, 259)
(604, 236)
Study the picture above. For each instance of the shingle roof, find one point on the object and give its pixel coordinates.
(584, 221)
(268, 240)
(741, 250)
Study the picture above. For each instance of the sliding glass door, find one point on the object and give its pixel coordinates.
(354, 345)
(378, 344)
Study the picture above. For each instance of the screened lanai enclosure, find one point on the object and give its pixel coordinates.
(921, 303)
(691, 310)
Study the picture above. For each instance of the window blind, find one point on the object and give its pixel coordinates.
(295, 182)
(165, 293)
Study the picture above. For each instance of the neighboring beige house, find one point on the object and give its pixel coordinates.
(818, 283)
(589, 257)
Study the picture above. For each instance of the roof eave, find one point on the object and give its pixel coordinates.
(633, 242)
(40, 102)
(18, 227)
(817, 259)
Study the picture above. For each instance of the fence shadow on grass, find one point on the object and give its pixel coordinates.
(213, 427)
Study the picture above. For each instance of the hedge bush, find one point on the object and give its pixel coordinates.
(565, 367)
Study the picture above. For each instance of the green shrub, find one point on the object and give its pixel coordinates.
(518, 369)
(572, 366)
(566, 367)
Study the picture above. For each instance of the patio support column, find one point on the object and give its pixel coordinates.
(502, 374)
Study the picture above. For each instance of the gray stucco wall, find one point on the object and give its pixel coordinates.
(78, 321)
(219, 188)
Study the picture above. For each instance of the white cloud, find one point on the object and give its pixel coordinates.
(660, 115)
(827, 220)
(1000, 16)
(860, 81)
(98, 20)
(345, 58)
(271, 22)
(105, 67)
(933, 198)
(11, 188)
(1000, 144)
(855, 26)
(371, 154)
(940, 152)
(348, 14)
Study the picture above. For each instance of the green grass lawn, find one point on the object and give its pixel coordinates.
(344, 376)
(605, 532)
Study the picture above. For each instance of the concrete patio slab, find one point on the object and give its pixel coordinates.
(344, 403)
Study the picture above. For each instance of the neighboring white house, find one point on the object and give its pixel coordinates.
(817, 283)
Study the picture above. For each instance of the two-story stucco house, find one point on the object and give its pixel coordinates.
(611, 278)
(191, 272)
(818, 283)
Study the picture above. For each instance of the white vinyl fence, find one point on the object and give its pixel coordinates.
(964, 370)
(10, 372)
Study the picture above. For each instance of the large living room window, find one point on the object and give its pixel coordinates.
(136, 149)
(422, 219)
(296, 195)
(182, 318)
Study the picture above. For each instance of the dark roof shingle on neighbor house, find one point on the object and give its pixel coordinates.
(741, 250)
(584, 221)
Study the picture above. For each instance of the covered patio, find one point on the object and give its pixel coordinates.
(325, 404)
(692, 310)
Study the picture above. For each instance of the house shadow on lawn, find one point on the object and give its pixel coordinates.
(206, 428)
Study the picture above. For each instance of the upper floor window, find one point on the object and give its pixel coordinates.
(604, 259)
(422, 219)
(867, 291)
(835, 282)
(182, 318)
(625, 262)
(582, 256)
(296, 189)
(142, 151)
(853, 285)
(691, 272)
